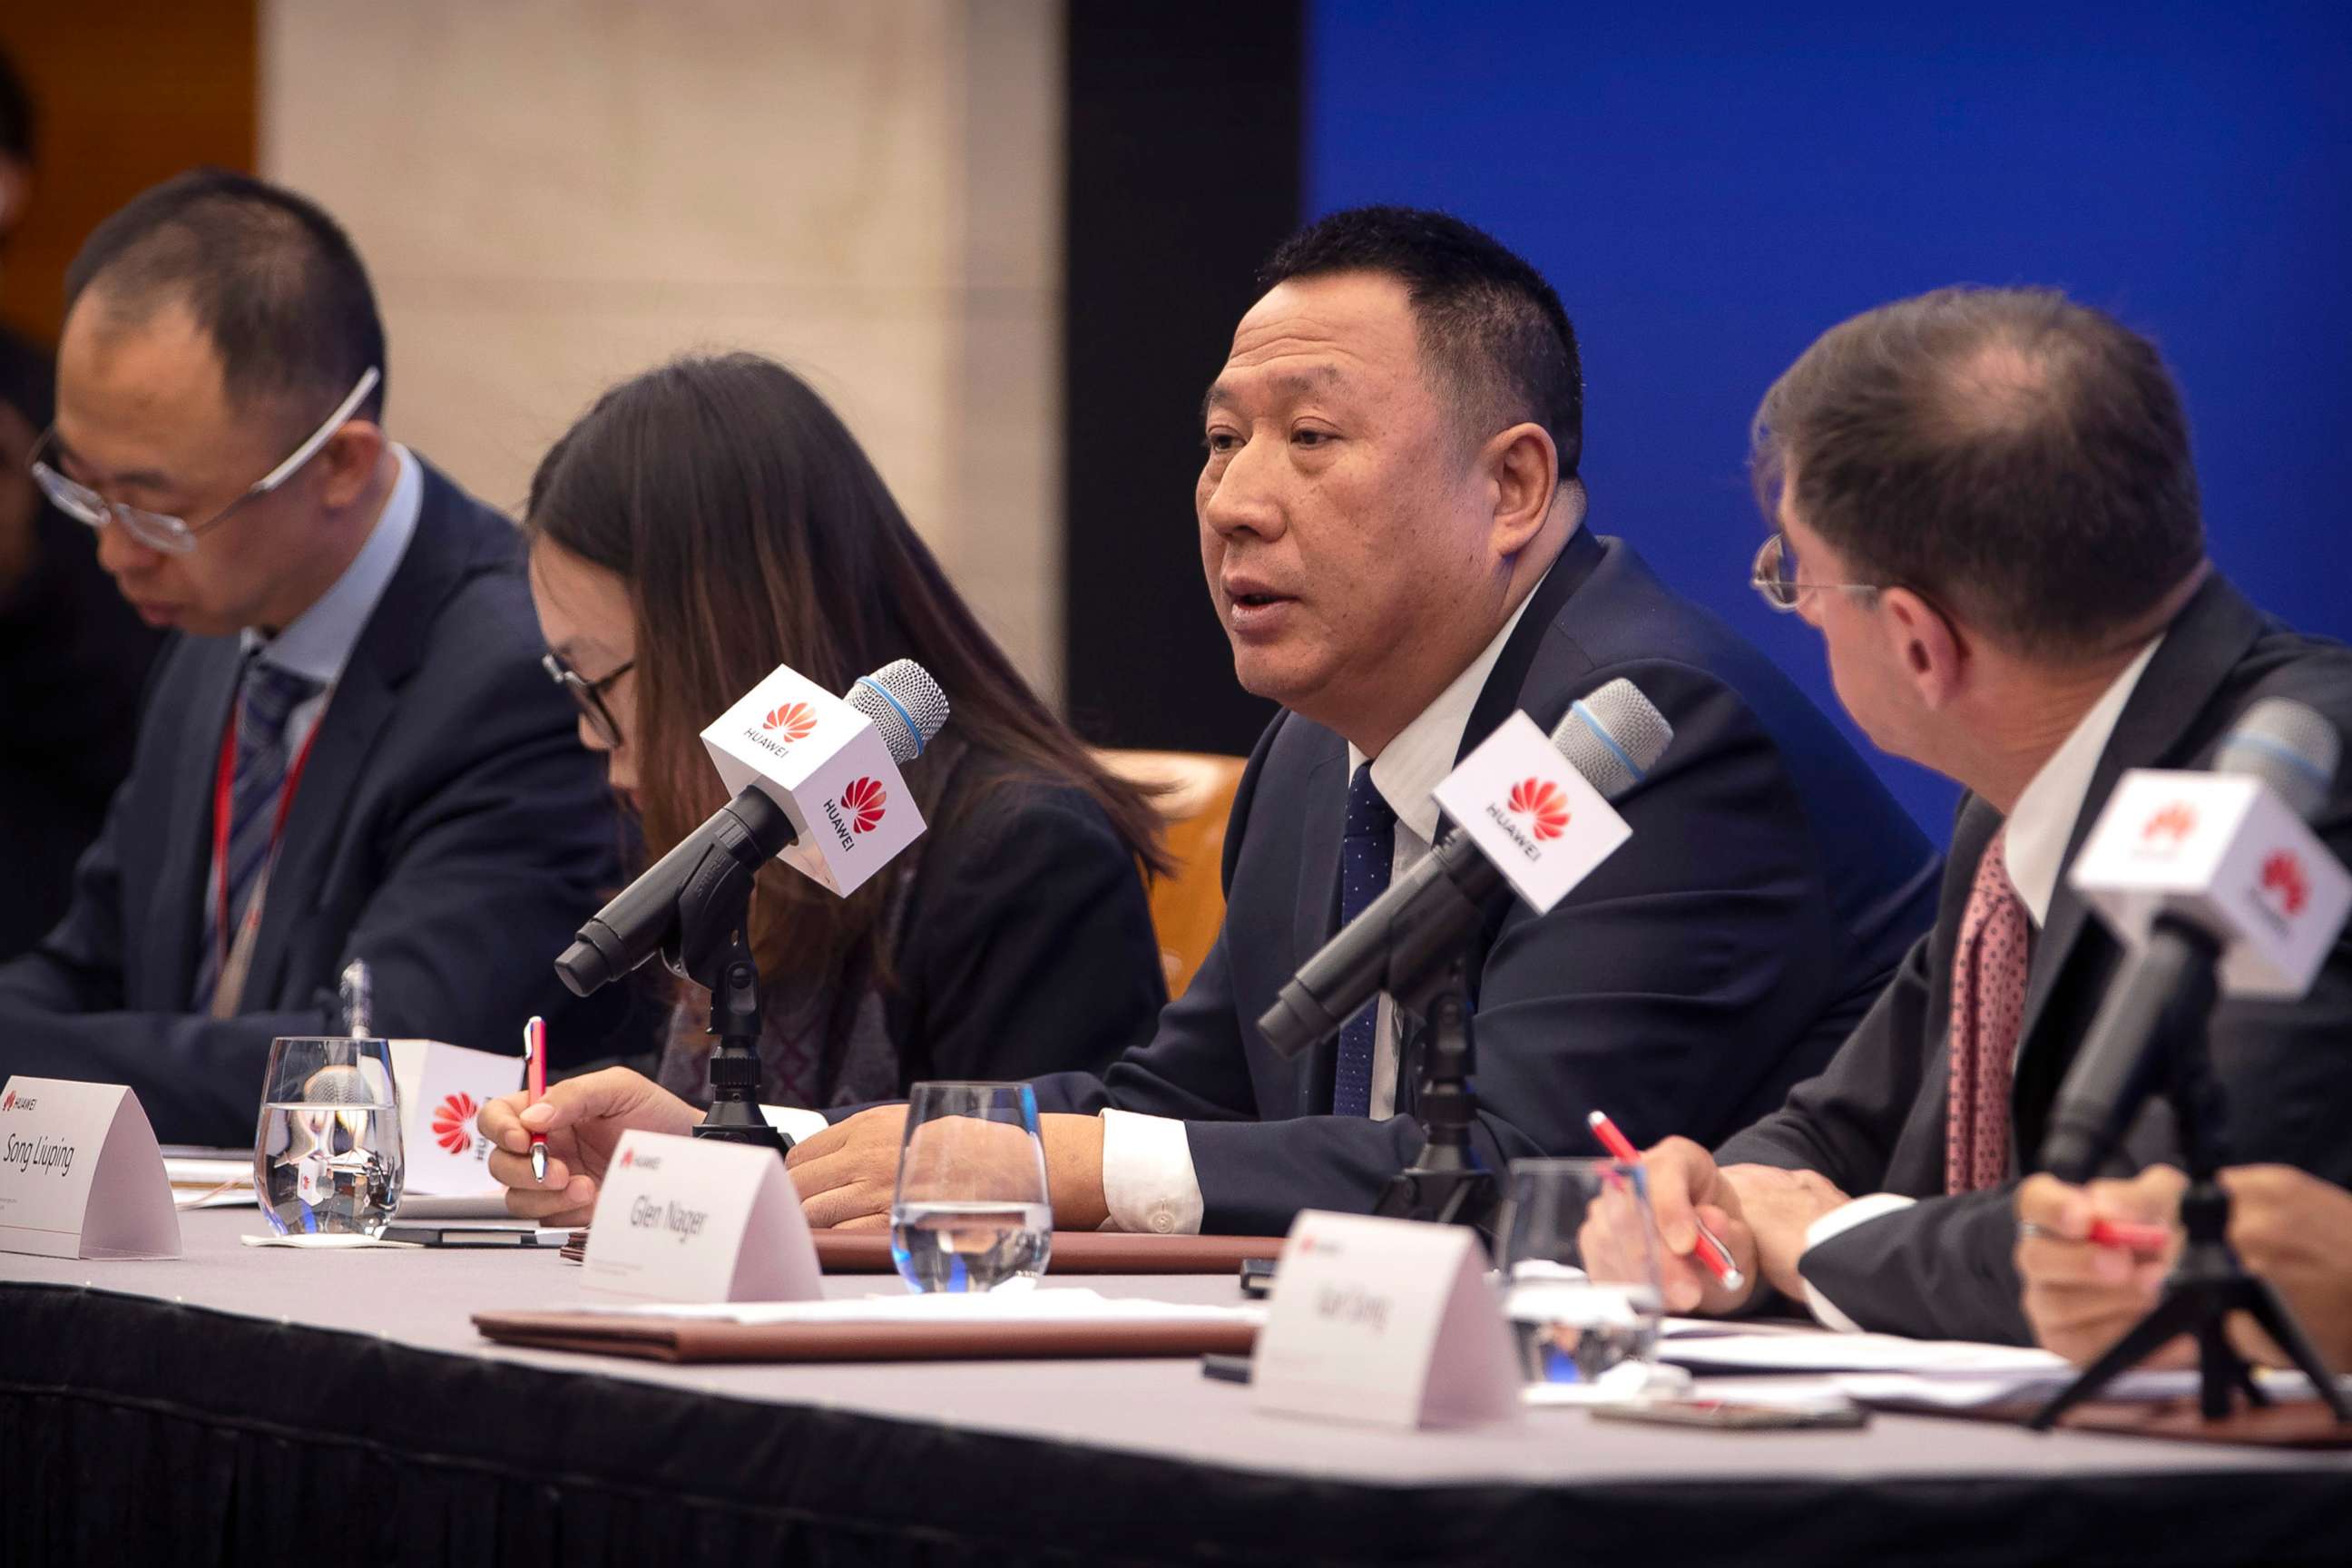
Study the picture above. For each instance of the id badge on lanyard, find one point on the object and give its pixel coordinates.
(236, 946)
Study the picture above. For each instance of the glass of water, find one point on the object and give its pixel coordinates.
(326, 1155)
(973, 1211)
(1581, 1271)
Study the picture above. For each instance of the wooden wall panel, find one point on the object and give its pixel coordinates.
(128, 92)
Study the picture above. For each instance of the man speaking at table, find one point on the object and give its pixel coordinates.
(1986, 506)
(1392, 533)
(349, 750)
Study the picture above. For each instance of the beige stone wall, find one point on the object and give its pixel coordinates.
(554, 194)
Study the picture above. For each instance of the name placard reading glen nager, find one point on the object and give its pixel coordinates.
(693, 1219)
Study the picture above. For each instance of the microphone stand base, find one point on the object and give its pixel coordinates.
(724, 1124)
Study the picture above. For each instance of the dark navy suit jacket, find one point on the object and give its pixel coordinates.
(449, 828)
(1875, 1121)
(1768, 893)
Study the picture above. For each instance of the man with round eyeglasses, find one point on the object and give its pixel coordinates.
(349, 750)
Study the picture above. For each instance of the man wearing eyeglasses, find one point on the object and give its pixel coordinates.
(349, 750)
(1985, 503)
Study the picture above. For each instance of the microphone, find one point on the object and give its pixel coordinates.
(804, 748)
(1613, 738)
(2219, 886)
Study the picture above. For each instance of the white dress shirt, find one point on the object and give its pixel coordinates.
(2033, 855)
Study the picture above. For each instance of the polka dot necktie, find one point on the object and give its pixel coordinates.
(1989, 969)
(1367, 853)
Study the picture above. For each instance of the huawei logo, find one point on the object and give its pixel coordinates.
(628, 1158)
(2175, 822)
(2285, 882)
(453, 1123)
(792, 721)
(1544, 804)
(9, 1103)
(864, 800)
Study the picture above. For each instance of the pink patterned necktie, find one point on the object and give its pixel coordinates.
(1988, 971)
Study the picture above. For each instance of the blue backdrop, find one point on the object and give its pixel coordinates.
(1711, 186)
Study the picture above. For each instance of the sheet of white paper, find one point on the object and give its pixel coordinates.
(222, 1197)
(1859, 1353)
(207, 1170)
(335, 1242)
(992, 1307)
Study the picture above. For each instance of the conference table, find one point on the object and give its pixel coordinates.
(241, 1404)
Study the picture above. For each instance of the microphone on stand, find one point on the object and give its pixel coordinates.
(2218, 885)
(816, 783)
(1613, 738)
(899, 702)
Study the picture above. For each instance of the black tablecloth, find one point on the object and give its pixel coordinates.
(134, 1428)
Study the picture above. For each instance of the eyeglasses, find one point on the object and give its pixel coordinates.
(588, 694)
(159, 531)
(1774, 575)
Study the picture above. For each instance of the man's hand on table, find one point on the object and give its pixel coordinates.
(1686, 1189)
(847, 1173)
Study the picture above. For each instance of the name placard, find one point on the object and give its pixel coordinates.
(1386, 1320)
(693, 1219)
(80, 1174)
(1531, 812)
(442, 1088)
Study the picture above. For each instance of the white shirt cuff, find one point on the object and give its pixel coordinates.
(1837, 1222)
(1148, 1178)
(793, 1123)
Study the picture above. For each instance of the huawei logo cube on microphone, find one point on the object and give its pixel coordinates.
(453, 1123)
(2285, 883)
(832, 763)
(1545, 804)
(865, 799)
(792, 721)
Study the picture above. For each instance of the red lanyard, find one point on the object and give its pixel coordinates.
(224, 788)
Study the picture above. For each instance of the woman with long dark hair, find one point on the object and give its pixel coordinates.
(711, 520)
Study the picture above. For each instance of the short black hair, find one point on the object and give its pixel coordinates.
(2005, 450)
(270, 278)
(1492, 329)
(17, 121)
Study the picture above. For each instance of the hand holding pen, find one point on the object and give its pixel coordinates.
(1710, 1251)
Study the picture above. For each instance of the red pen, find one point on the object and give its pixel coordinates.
(1711, 1250)
(534, 1061)
(2122, 1233)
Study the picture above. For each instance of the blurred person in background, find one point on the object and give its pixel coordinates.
(713, 518)
(72, 654)
(348, 749)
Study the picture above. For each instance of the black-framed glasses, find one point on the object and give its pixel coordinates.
(160, 531)
(1774, 576)
(588, 695)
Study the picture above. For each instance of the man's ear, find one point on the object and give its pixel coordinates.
(1926, 647)
(348, 462)
(1522, 468)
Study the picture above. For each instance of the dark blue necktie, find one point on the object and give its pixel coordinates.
(266, 698)
(1366, 856)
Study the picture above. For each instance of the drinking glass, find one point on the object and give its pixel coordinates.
(1581, 1271)
(973, 1211)
(326, 1154)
